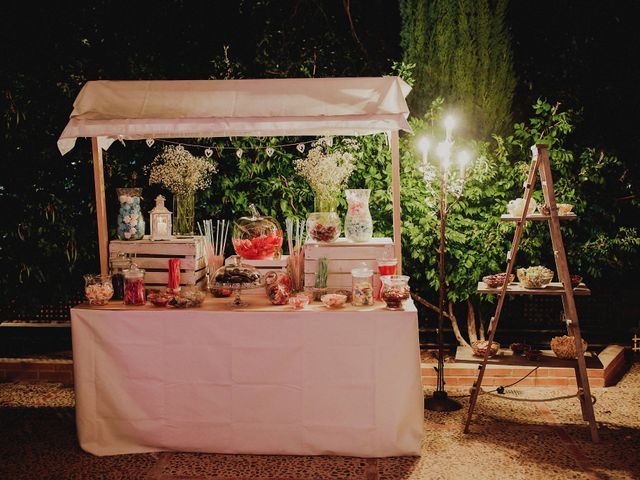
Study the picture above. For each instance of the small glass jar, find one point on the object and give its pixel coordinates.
(130, 218)
(358, 225)
(324, 226)
(119, 264)
(394, 291)
(362, 287)
(134, 293)
(98, 289)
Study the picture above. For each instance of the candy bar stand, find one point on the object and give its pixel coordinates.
(259, 379)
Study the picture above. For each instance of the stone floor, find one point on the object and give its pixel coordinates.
(510, 440)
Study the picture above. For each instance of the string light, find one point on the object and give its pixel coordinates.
(269, 150)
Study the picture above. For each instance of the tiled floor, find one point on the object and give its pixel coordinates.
(510, 440)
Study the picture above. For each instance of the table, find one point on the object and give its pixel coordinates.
(262, 379)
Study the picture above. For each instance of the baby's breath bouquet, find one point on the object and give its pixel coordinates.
(182, 173)
(326, 171)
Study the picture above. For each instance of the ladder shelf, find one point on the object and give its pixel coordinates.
(541, 166)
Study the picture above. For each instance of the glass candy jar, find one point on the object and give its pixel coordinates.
(134, 286)
(358, 225)
(98, 289)
(119, 264)
(278, 287)
(130, 218)
(394, 291)
(362, 287)
(256, 237)
(324, 226)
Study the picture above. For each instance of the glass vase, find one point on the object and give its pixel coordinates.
(358, 225)
(184, 211)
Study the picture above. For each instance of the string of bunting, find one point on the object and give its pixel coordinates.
(208, 150)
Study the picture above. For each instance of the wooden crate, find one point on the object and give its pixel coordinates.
(154, 258)
(263, 267)
(344, 256)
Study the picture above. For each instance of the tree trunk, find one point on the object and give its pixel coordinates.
(471, 322)
(456, 329)
(481, 326)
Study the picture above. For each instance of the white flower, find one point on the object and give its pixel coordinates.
(129, 199)
(122, 198)
(180, 172)
(127, 235)
(126, 219)
(133, 223)
(132, 231)
(325, 172)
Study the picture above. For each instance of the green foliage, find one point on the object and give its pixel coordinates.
(462, 50)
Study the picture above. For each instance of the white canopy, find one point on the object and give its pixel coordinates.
(142, 109)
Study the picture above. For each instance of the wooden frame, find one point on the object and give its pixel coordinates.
(103, 231)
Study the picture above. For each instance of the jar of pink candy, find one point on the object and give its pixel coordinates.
(98, 289)
(134, 286)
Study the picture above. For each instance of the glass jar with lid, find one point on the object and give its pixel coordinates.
(256, 237)
(134, 293)
(362, 287)
(237, 276)
(119, 264)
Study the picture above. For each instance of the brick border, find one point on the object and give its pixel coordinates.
(462, 375)
(459, 375)
(36, 370)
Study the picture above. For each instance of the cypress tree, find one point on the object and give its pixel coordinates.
(462, 52)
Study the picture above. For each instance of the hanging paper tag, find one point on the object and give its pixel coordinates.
(208, 152)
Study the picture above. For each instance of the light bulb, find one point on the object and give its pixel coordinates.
(464, 157)
(423, 144)
(449, 123)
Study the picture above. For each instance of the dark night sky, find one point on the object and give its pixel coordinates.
(583, 53)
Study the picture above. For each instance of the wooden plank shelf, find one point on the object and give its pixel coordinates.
(536, 216)
(546, 359)
(514, 288)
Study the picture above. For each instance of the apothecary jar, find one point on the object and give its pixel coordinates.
(130, 218)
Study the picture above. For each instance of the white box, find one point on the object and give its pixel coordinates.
(343, 256)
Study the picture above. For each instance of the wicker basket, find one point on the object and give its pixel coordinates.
(479, 347)
(565, 347)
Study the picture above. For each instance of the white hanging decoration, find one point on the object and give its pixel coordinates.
(121, 140)
(269, 151)
(330, 141)
(208, 152)
(239, 153)
(300, 147)
(179, 148)
(150, 142)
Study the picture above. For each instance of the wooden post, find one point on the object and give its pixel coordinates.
(101, 206)
(395, 191)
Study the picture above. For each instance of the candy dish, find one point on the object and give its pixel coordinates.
(333, 300)
(299, 301)
(479, 348)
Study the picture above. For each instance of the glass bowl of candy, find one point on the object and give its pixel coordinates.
(298, 301)
(98, 289)
(333, 300)
(535, 277)
(480, 347)
(278, 287)
(256, 237)
(394, 291)
(497, 279)
(130, 217)
(324, 226)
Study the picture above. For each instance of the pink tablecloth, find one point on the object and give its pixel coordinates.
(264, 381)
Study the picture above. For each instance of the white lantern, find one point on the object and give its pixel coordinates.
(160, 220)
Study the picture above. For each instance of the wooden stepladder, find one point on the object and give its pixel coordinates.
(540, 164)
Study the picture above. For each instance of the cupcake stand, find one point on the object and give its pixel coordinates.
(258, 379)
